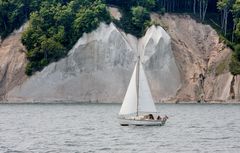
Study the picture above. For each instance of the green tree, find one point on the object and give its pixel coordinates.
(236, 20)
(224, 6)
(139, 16)
(52, 50)
(88, 18)
(149, 4)
(31, 35)
(57, 26)
(234, 65)
(13, 13)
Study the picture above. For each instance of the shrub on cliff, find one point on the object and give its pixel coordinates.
(234, 65)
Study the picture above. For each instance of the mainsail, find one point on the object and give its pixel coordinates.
(138, 97)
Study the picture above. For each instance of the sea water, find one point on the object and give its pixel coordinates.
(73, 128)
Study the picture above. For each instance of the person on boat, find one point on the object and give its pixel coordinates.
(165, 118)
(151, 117)
(148, 117)
(159, 118)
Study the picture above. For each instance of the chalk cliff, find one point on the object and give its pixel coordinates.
(99, 67)
(186, 63)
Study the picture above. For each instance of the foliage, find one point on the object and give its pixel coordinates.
(148, 4)
(136, 16)
(134, 21)
(57, 26)
(88, 18)
(237, 51)
(234, 65)
(13, 13)
(221, 67)
(139, 15)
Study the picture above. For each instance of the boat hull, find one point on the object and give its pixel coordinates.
(128, 122)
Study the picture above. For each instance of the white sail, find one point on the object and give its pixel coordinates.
(146, 103)
(129, 105)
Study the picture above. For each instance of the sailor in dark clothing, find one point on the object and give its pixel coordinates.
(151, 117)
(159, 118)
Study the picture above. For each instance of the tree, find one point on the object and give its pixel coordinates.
(57, 26)
(236, 19)
(203, 9)
(194, 6)
(224, 6)
(52, 50)
(139, 16)
(13, 13)
(237, 30)
(148, 4)
(234, 65)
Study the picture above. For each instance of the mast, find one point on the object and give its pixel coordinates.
(137, 81)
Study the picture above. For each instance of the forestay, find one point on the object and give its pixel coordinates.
(146, 103)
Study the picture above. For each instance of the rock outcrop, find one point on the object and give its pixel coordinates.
(202, 60)
(115, 13)
(12, 63)
(99, 67)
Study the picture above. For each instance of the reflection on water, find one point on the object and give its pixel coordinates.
(94, 128)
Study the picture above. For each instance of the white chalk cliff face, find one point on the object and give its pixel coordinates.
(99, 67)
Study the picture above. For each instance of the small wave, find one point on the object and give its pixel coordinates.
(219, 138)
(14, 151)
(104, 149)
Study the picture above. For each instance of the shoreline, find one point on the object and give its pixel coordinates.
(97, 102)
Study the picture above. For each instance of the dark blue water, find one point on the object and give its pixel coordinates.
(92, 128)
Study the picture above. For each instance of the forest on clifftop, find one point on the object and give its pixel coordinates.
(56, 25)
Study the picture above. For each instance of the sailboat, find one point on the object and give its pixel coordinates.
(138, 107)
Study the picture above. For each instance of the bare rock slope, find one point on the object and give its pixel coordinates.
(12, 63)
(99, 67)
(202, 60)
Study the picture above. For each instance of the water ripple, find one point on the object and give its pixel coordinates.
(72, 129)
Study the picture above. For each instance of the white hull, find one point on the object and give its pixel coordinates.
(127, 122)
